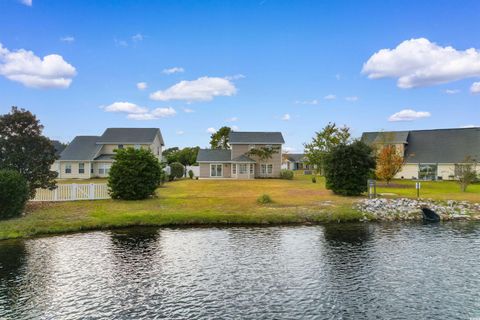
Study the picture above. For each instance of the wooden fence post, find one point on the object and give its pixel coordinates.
(73, 194)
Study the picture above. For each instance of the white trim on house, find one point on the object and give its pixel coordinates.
(216, 164)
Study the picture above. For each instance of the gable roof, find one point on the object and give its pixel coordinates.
(59, 147)
(244, 137)
(215, 155)
(385, 137)
(81, 148)
(130, 135)
(435, 146)
(295, 157)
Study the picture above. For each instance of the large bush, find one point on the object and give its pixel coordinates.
(177, 170)
(14, 193)
(134, 175)
(348, 167)
(286, 174)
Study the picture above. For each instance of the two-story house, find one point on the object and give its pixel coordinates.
(92, 156)
(236, 163)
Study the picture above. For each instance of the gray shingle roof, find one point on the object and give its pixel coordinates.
(81, 148)
(104, 157)
(242, 158)
(130, 135)
(385, 137)
(208, 155)
(59, 147)
(243, 137)
(295, 157)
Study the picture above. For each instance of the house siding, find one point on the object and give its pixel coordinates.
(61, 165)
(205, 170)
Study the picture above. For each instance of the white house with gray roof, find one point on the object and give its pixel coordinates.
(236, 164)
(92, 156)
(430, 154)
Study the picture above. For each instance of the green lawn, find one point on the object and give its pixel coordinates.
(195, 202)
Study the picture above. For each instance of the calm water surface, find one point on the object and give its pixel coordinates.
(360, 271)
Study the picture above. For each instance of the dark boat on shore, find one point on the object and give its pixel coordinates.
(430, 215)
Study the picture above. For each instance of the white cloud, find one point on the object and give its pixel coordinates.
(125, 107)
(330, 97)
(235, 77)
(352, 98)
(68, 39)
(235, 128)
(138, 37)
(154, 114)
(408, 115)
(30, 70)
(180, 132)
(201, 89)
(419, 62)
(142, 85)
(312, 102)
(26, 2)
(187, 110)
(286, 117)
(289, 149)
(211, 130)
(232, 119)
(475, 88)
(173, 70)
(452, 91)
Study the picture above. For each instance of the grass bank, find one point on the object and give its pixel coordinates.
(209, 202)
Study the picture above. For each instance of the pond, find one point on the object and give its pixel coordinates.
(351, 271)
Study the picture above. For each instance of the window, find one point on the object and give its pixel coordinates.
(81, 168)
(234, 169)
(266, 168)
(91, 168)
(252, 168)
(137, 147)
(68, 168)
(216, 170)
(243, 168)
(427, 171)
(104, 168)
(120, 146)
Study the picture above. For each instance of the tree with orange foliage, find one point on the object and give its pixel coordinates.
(389, 163)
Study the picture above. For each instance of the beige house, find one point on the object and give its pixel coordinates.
(236, 164)
(430, 154)
(92, 156)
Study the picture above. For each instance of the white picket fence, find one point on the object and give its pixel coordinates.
(73, 192)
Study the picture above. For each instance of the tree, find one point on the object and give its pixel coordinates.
(171, 154)
(14, 193)
(466, 173)
(176, 171)
(188, 156)
(24, 149)
(324, 142)
(219, 139)
(135, 174)
(389, 163)
(348, 167)
(263, 153)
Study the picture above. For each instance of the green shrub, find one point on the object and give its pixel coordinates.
(314, 179)
(176, 171)
(14, 194)
(348, 167)
(134, 175)
(190, 174)
(286, 174)
(264, 199)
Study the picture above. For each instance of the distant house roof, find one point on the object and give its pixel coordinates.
(243, 137)
(295, 157)
(130, 135)
(214, 155)
(383, 137)
(242, 158)
(437, 146)
(59, 147)
(81, 148)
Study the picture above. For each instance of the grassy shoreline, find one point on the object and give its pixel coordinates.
(214, 203)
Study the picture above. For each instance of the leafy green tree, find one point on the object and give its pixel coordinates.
(219, 139)
(135, 174)
(324, 142)
(188, 156)
(348, 167)
(24, 149)
(177, 170)
(171, 154)
(466, 173)
(263, 153)
(14, 193)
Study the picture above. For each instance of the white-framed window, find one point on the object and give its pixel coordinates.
(216, 170)
(266, 168)
(252, 168)
(104, 168)
(242, 168)
(81, 168)
(234, 169)
(68, 168)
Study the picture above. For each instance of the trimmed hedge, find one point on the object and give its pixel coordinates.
(177, 170)
(286, 174)
(14, 194)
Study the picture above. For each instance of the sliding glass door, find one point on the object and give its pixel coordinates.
(216, 170)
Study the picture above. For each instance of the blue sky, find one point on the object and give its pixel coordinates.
(265, 65)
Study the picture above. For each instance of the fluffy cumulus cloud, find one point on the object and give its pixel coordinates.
(153, 114)
(142, 85)
(211, 130)
(419, 62)
(286, 117)
(173, 70)
(32, 71)
(127, 107)
(475, 88)
(408, 115)
(201, 89)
